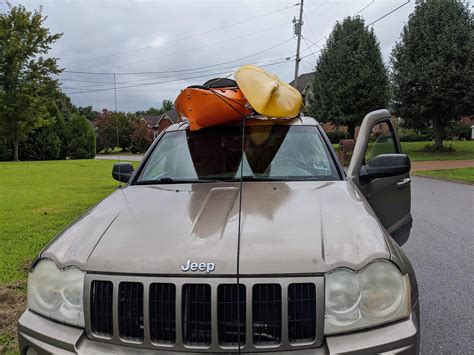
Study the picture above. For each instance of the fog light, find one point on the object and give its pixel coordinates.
(31, 351)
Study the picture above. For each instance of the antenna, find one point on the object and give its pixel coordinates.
(117, 124)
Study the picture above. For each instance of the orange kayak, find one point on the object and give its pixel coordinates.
(213, 103)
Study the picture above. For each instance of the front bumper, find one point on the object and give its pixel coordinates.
(49, 337)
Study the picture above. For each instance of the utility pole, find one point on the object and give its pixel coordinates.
(297, 25)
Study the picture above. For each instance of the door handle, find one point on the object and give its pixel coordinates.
(403, 183)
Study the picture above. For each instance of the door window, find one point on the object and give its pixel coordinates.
(382, 141)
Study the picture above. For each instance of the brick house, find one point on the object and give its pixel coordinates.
(157, 123)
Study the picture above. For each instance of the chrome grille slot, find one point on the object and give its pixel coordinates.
(131, 311)
(266, 314)
(162, 313)
(301, 312)
(196, 314)
(231, 311)
(101, 298)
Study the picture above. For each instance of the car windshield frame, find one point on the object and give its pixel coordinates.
(336, 169)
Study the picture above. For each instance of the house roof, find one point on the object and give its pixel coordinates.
(303, 81)
(152, 120)
(173, 116)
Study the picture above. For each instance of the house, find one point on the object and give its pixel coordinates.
(157, 123)
(303, 85)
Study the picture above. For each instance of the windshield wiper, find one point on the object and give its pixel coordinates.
(168, 180)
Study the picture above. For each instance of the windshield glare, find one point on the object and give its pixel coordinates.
(272, 152)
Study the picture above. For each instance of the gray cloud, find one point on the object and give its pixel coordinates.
(160, 36)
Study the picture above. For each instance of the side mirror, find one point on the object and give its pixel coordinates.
(384, 165)
(122, 171)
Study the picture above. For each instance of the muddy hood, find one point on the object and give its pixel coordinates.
(286, 228)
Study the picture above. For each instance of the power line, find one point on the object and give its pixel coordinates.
(307, 46)
(162, 82)
(171, 76)
(366, 6)
(191, 49)
(181, 70)
(313, 10)
(368, 25)
(181, 38)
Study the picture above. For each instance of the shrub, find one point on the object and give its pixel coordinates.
(106, 124)
(141, 136)
(458, 130)
(42, 144)
(336, 136)
(411, 135)
(81, 138)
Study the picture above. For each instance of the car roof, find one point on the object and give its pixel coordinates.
(257, 121)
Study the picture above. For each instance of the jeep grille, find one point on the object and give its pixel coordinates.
(208, 315)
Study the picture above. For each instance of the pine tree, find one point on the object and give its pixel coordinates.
(350, 77)
(433, 66)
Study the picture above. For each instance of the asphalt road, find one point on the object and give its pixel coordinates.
(441, 249)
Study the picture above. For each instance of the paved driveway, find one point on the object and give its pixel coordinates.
(441, 248)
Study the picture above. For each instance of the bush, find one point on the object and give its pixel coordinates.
(106, 124)
(42, 144)
(141, 136)
(336, 136)
(411, 135)
(81, 138)
(458, 130)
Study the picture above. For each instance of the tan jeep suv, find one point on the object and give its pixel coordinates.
(248, 237)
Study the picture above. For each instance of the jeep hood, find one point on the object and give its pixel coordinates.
(286, 228)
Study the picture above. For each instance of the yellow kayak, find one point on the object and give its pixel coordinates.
(267, 94)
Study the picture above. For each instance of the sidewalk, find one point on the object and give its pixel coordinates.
(441, 165)
(123, 157)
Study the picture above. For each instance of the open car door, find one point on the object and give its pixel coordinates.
(382, 173)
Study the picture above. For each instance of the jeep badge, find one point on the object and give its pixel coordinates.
(189, 266)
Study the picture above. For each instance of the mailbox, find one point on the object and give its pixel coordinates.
(346, 147)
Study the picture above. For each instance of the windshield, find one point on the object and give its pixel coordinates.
(272, 152)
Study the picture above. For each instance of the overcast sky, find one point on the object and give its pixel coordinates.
(173, 36)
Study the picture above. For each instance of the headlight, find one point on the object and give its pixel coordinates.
(57, 294)
(377, 294)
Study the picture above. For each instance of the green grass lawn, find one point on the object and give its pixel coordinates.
(463, 174)
(463, 150)
(37, 200)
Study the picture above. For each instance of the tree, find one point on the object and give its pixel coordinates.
(107, 130)
(81, 138)
(141, 136)
(167, 105)
(350, 78)
(24, 73)
(48, 142)
(433, 66)
(88, 112)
